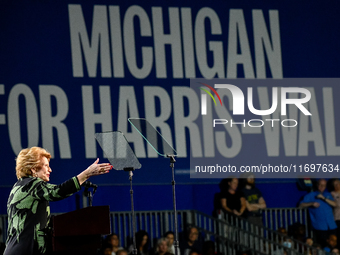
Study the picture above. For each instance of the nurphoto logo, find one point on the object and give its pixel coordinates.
(239, 99)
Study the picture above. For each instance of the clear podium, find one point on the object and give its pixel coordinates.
(80, 231)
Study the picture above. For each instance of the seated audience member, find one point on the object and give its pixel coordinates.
(142, 243)
(317, 247)
(190, 242)
(298, 232)
(331, 243)
(122, 252)
(309, 249)
(232, 200)
(193, 252)
(320, 205)
(254, 200)
(170, 236)
(309, 241)
(106, 249)
(284, 242)
(336, 210)
(162, 247)
(114, 241)
(335, 251)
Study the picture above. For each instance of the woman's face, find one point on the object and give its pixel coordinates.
(170, 238)
(145, 240)
(163, 247)
(114, 241)
(233, 184)
(43, 171)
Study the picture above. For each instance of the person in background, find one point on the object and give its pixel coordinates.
(28, 203)
(284, 242)
(336, 210)
(335, 251)
(106, 249)
(193, 252)
(320, 205)
(309, 241)
(162, 247)
(254, 201)
(316, 249)
(122, 252)
(331, 243)
(113, 239)
(191, 242)
(298, 232)
(170, 236)
(142, 243)
(232, 200)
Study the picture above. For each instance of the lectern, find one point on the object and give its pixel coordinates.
(79, 232)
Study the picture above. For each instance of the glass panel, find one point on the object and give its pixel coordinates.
(117, 150)
(153, 137)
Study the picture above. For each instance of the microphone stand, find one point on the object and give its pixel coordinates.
(134, 250)
(172, 165)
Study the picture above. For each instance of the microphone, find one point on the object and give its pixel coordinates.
(88, 184)
(87, 193)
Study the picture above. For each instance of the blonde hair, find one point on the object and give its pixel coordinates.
(29, 158)
(159, 242)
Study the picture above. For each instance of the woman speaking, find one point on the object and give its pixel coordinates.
(28, 203)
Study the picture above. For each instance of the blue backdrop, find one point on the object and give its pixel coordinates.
(69, 69)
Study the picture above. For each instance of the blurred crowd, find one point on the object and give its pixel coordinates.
(191, 243)
(242, 198)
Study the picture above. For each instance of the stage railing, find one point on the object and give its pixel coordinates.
(275, 218)
(156, 223)
(233, 235)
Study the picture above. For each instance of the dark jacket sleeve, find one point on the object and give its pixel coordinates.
(50, 192)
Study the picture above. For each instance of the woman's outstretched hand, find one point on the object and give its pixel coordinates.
(94, 169)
